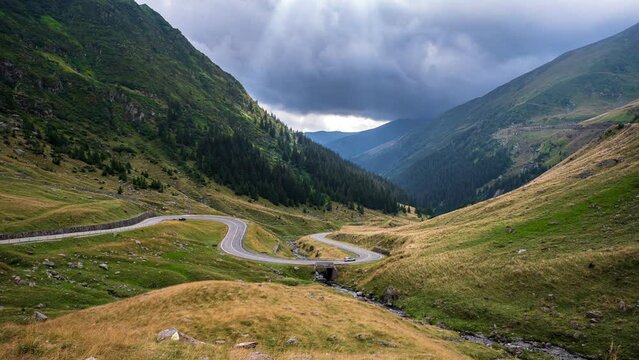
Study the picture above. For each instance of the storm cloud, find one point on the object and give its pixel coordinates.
(367, 60)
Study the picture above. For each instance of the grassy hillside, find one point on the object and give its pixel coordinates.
(456, 158)
(324, 323)
(108, 82)
(555, 260)
(36, 194)
(625, 114)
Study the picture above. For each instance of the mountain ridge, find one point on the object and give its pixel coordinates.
(446, 162)
(105, 81)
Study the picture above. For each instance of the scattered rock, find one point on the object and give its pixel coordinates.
(521, 251)
(296, 268)
(138, 242)
(38, 316)
(103, 266)
(390, 294)
(204, 357)
(576, 325)
(91, 358)
(292, 341)
(608, 163)
(554, 222)
(246, 345)
(259, 356)
(594, 315)
(585, 174)
(174, 334)
(220, 341)
(21, 282)
(48, 263)
(387, 344)
(509, 229)
(622, 305)
(18, 151)
(362, 337)
(40, 306)
(54, 275)
(78, 265)
(332, 338)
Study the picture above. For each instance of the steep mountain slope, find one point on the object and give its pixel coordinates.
(555, 260)
(366, 143)
(106, 81)
(459, 157)
(325, 137)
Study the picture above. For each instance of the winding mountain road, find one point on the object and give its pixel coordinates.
(232, 243)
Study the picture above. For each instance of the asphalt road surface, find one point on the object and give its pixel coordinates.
(232, 243)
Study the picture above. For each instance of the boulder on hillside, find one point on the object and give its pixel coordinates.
(246, 345)
(594, 315)
(38, 316)
(174, 334)
(387, 344)
(48, 263)
(390, 294)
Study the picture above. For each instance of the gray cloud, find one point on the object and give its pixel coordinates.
(386, 59)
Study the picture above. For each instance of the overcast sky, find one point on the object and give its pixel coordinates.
(349, 65)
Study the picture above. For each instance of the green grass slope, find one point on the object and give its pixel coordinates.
(555, 260)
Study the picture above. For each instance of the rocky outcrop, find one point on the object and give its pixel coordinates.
(246, 345)
(38, 316)
(174, 334)
(390, 295)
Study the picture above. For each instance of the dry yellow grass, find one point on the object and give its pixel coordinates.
(326, 323)
(448, 230)
(263, 241)
(317, 250)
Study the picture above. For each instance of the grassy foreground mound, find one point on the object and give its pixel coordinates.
(556, 260)
(308, 321)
